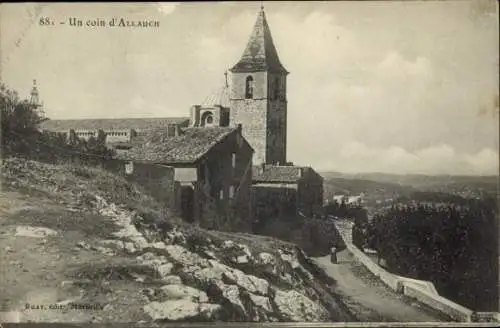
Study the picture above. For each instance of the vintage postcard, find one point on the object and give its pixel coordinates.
(298, 163)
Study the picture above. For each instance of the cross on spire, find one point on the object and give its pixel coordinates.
(262, 6)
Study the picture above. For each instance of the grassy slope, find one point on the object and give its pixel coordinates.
(62, 198)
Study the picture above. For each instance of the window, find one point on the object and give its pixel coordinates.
(129, 167)
(221, 194)
(231, 191)
(249, 87)
(207, 119)
(233, 160)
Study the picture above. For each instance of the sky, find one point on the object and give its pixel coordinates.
(383, 86)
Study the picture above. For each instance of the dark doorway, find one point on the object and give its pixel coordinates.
(187, 202)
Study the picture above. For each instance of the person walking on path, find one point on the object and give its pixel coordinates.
(333, 255)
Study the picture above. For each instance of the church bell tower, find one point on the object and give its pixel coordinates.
(258, 96)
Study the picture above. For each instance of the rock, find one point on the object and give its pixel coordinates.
(129, 247)
(299, 308)
(210, 254)
(117, 244)
(245, 250)
(159, 264)
(290, 259)
(158, 245)
(260, 308)
(175, 237)
(243, 259)
(185, 257)
(261, 301)
(248, 282)
(232, 294)
(176, 292)
(228, 244)
(139, 242)
(181, 310)
(8, 249)
(138, 277)
(172, 280)
(146, 257)
(83, 245)
(34, 232)
(164, 270)
(104, 250)
(149, 293)
(266, 258)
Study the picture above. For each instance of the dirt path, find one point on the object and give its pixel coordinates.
(367, 297)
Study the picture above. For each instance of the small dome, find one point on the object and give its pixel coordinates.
(218, 98)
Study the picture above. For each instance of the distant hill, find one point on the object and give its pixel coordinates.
(466, 186)
(354, 186)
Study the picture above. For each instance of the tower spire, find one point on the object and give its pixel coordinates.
(34, 95)
(260, 53)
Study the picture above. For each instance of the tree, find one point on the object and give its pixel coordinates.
(19, 123)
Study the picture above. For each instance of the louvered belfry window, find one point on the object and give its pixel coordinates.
(249, 88)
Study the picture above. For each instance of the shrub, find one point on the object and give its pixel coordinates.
(454, 246)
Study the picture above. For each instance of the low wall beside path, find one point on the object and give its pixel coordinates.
(424, 291)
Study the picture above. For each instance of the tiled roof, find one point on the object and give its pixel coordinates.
(260, 53)
(272, 173)
(188, 147)
(137, 124)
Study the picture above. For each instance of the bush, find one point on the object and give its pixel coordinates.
(21, 136)
(454, 246)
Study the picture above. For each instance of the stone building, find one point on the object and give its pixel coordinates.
(258, 96)
(121, 132)
(213, 169)
(286, 191)
(255, 104)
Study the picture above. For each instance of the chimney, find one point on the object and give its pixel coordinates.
(262, 167)
(195, 115)
(173, 130)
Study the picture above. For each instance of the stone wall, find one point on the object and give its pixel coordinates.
(276, 122)
(310, 192)
(251, 114)
(263, 120)
(157, 181)
(230, 185)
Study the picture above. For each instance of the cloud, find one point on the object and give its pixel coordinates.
(167, 8)
(440, 159)
(371, 87)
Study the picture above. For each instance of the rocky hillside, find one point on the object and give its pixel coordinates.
(108, 244)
